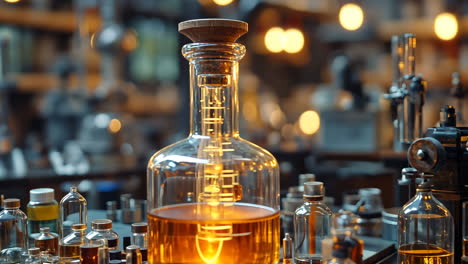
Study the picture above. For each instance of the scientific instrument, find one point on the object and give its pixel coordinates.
(73, 210)
(213, 197)
(312, 222)
(443, 152)
(425, 231)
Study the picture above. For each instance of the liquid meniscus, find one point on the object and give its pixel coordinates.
(419, 253)
(194, 233)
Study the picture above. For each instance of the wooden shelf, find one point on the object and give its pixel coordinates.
(56, 21)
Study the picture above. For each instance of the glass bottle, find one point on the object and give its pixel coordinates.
(213, 197)
(73, 210)
(102, 234)
(43, 211)
(425, 229)
(311, 224)
(70, 245)
(89, 253)
(47, 241)
(133, 255)
(13, 226)
(343, 231)
(139, 235)
(34, 257)
(465, 233)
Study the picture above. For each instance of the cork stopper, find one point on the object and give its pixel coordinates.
(213, 30)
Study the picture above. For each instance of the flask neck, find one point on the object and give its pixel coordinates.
(213, 88)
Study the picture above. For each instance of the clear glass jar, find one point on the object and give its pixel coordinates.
(102, 234)
(140, 235)
(43, 211)
(312, 223)
(47, 241)
(13, 226)
(425, 229)
(73, 210)
(343, 231)
(213, 197)
(70, 245)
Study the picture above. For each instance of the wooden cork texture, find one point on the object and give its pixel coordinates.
(213, 30)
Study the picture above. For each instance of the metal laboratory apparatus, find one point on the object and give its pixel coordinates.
(213, 197)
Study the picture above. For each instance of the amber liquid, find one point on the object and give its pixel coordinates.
(69, 251)
(201, 234)
(465, 247)
(89, 254)
(424, 254)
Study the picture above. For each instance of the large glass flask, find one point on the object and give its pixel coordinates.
(73, 210)
(425, 229)
(312, 223)
(213, 197)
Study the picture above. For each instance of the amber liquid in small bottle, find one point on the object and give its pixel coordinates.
(69, 251)
(190, 233)
(50, 245)
(89, 254)
(465, 251)
(418, 253)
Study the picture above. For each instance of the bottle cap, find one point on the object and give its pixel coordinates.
(11, 203)
(213, 30)
(34, 251)
(101, 224)
(139, 228)
(41, 195)
(78, 226)
(132, 248)
(314, 188)
(45, 229)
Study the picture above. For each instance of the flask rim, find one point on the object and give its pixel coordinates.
(214, 51)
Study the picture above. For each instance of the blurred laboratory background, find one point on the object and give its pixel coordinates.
(90, 89)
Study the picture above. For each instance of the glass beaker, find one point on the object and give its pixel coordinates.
(213, 197)
(425, 233)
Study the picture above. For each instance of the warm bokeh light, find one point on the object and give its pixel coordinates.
(309, 122)
(446, 26)
(115, 125)
(294, 40)
(351, 16)
(11, 1)
(274, 39)
(222, 2)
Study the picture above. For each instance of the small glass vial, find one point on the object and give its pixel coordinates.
(287, 249)
(43, 211)
(73, 210)
(465, 233)
(139, 235)
(133, 254)
(89, 253)
(425, 225)
(47, 241)
(101, 229)
(13, 226)
(34, 256)
(70, 245)
(343, 231)
(311, 224)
